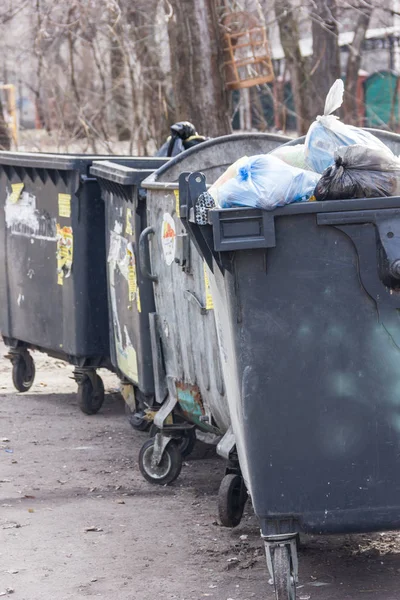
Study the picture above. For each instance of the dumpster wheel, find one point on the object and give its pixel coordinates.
(137, 419)
(186, 443)
(284, 581)
(232, 496)
(90, 394)
(169, 466)
(23, 371)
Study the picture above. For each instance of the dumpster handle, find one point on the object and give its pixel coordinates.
(193, 298)
(144, 262)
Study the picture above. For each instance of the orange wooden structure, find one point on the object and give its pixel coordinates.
(247, 57)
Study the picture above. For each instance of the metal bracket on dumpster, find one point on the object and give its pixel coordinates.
(193, 298)
(378, 250)
(168, 406)
(380, 277)
(160, 443)
(282, 540)
(227, 444)
(191, 185)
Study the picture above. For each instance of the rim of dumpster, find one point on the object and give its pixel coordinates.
(151, 182)
(126, 174)
(66, 162)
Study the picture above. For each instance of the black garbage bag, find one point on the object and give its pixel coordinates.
(360, 172)
(183, 136)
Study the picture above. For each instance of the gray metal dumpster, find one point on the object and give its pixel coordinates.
(306, 304)
(53, 291)
(130, 295)
(185, 349)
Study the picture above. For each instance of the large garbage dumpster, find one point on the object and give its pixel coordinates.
(306, 301)
(130, 295)
(185, 350)
(53, 292)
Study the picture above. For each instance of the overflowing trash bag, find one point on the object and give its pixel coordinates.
(292, 155)
(263, 181)
(327, 134)
(183, 136)
(360, 172)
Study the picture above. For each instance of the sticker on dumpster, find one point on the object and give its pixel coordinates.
(168, 238)
(209, 300)
(24, 219)
(64, 205)
(128, 226)
(16, 192)
(177, 206)
(65, 247)
(132, 281)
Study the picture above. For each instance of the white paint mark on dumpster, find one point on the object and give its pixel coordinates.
(24, 219)
(118, 227)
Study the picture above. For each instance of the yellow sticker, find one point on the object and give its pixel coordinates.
(132, 286)
(209, 300)
(177, 207)
(128, 227)
(138, 304)
(65, 248)
(64, 205)
(16, 192)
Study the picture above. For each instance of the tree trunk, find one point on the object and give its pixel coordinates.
(196, 65)
(5, 143)
(350, 108)
(296, 64)
(118, 82)
(325, 68)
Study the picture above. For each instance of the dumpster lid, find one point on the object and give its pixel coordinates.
(72, 162)
(131, 173)
(212, 156)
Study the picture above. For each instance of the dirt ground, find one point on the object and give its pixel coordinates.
(62, 472)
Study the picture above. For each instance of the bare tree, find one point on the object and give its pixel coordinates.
(196, 66)
(354, 63)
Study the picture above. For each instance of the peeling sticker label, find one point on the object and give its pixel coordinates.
(117, 249)
(168, 238)
(128, 226)
(24, 219)
(64, 205)
(209, 300)
(138, 304)
(132, 282)
(126, 353)
(16, 192)
(177, 206)
(65, 246)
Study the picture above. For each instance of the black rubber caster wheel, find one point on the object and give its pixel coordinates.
(168, 469)
(137, 419)
(90, 400)
(186, 443)
(285, 587)
(23, 371)
(232, 496)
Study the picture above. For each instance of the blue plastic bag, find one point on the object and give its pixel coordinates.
(263, 181)
(327, 134)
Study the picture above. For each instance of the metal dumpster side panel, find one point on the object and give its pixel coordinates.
(130, 294)
(313, 380)
(67, 318)
(188, 337)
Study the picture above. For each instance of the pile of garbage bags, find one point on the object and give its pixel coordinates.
(337, 161)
